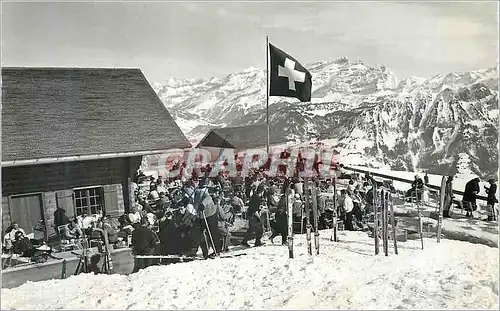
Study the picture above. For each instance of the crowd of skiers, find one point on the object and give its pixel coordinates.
(174, 217)
(197, 212)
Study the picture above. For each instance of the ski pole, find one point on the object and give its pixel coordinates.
(209, 233)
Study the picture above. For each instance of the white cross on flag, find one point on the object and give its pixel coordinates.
(288, 77)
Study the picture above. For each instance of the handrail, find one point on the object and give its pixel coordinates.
(479, 197)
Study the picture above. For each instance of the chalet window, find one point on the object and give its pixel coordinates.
(89, 200)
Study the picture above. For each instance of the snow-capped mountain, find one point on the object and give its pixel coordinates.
(444, 124)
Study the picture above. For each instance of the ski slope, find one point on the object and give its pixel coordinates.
(346, 275)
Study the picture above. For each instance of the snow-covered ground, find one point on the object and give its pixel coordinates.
(345, 275)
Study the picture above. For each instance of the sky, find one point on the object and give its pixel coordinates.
(201, 40)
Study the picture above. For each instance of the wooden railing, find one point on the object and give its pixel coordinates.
(479, 197)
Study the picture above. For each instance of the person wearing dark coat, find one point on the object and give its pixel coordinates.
(187, 228)
(280, 224)
(22, 245)
(143, 243)
(416, 189)
(60, 218)
(491, 199)
(163, 203)
(255, 225)
(369, 200)
(145, 206)
(93, 267)
(469, 197)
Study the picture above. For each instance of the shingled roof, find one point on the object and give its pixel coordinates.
(240, 137)
(60, 112)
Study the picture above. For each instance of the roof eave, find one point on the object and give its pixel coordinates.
(84, 157)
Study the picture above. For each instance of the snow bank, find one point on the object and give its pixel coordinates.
(345, 275)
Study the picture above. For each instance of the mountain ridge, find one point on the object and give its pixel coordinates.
(437, 123)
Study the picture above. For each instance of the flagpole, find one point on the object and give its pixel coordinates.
(267, 90)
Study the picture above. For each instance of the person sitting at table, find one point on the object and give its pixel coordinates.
(85, 222)
(70, 231)
(74, 229)
(135, 216)
(22, 245)
(10, 235)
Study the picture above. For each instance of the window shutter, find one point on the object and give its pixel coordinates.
(5, 214)
(113, 200)
(65, 201)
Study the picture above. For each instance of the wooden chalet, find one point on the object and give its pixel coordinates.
(239, 138)
(74, 138)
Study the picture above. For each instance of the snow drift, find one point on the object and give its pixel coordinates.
(346, 275)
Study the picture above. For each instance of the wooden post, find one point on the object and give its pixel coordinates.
(63, 272)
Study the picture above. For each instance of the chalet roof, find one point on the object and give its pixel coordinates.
(61, 112)
(240, 137)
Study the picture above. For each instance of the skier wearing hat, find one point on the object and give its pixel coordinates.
(491, 199)
(255, 225)
(207, 215)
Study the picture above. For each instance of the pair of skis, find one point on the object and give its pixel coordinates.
(314, 201)
(442, 196)
(383, 232)
(334, 236)
(289, 206)
(420, 220)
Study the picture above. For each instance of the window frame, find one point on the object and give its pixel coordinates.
(93, 192)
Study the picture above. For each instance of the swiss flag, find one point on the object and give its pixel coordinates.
(288, 77)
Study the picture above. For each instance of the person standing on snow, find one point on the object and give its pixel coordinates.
(469, 198)
(255, 225)
(208, 218)
(448, 197)
(491, 199)
(348, 209)
(280, 225)
(143, 243)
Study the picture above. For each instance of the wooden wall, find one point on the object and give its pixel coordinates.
(67, 175)
(56, 182)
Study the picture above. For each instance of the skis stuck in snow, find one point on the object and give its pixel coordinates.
(442, 194)
(308, 213)
(289, 209)
(375, 216)
(382, 216)
(334, 236)
(393, 224)
(315, 216)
